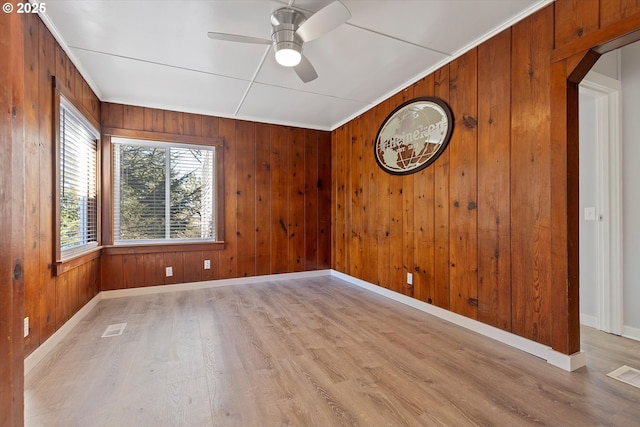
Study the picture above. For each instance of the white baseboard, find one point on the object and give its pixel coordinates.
(589, 320)
(563, 361)
(43, 350)
(46, 347)
(631, 333)
(131, 292)
(555, 358)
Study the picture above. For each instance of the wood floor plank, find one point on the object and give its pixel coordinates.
(313, 352)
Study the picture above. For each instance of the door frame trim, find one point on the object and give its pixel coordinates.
(608, 110)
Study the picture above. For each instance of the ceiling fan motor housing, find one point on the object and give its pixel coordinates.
(285, 22)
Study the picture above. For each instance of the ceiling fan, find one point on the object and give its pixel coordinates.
(290, 30)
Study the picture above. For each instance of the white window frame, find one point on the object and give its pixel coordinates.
(66, 101)
(217, 205)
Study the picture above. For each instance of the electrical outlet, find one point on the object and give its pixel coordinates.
(26, 326)
(207, 264)
(169, 271)
(409, 278)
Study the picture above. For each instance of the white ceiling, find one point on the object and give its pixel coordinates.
(157, 53)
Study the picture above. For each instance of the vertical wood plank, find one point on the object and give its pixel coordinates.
(325, 202)
(11, 220)
(175, 260)
(424, 217)
(575, 19)
(133, 117)
(192, 124)
(310, 200)
(61, 66)
(173, 122)
(113, 115)
(494, 204)
(83, 285)
(228, 257)
(263, 199)
(85, 98)
(212, 273)
(111, 271)
(441, 290)
(153, 120)
(295, 223)
(532, 41)
(210, 126)
(369, 129)
(154, 269)
(381, 207)
(94, 103)
(340, 241)
(279, 199)
(463, 233)
(354, 198)
(72, 290)
(75, 79)
(397, 277)
(245, 198)
(62, 299)
(193, 266)
(132, 271)
(408, 220)
(31, 182)
(47, 66)
(94, 279)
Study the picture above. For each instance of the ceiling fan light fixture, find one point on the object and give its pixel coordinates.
(288, 56)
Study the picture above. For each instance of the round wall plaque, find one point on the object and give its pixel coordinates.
(413, 135)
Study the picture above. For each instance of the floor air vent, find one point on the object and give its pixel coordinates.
(114, 330)
(627, 375)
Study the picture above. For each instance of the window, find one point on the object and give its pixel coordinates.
(163, 192)
(77, 182)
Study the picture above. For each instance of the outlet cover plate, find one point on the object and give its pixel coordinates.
(169, 271)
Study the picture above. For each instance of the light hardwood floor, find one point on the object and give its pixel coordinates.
(313, 352)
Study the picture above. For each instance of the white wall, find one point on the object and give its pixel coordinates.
(588, 231)
(608, 64)
(630, 73)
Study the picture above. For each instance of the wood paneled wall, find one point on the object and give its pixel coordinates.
(49, 300)
(489, 230)
(12, 250)
(277, 202)
(486, 229)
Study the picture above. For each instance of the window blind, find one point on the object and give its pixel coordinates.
(163, 191)
(78, 184)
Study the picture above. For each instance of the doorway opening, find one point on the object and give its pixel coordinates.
(601, 286)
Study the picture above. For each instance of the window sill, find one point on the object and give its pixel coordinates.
(60, 267)
(161, 247)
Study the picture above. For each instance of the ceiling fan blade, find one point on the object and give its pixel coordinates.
(305, 70)
(323, 21)
(237, 38)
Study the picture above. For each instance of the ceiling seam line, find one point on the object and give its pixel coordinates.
(398, 39)
(253, 79)
(159, 63)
